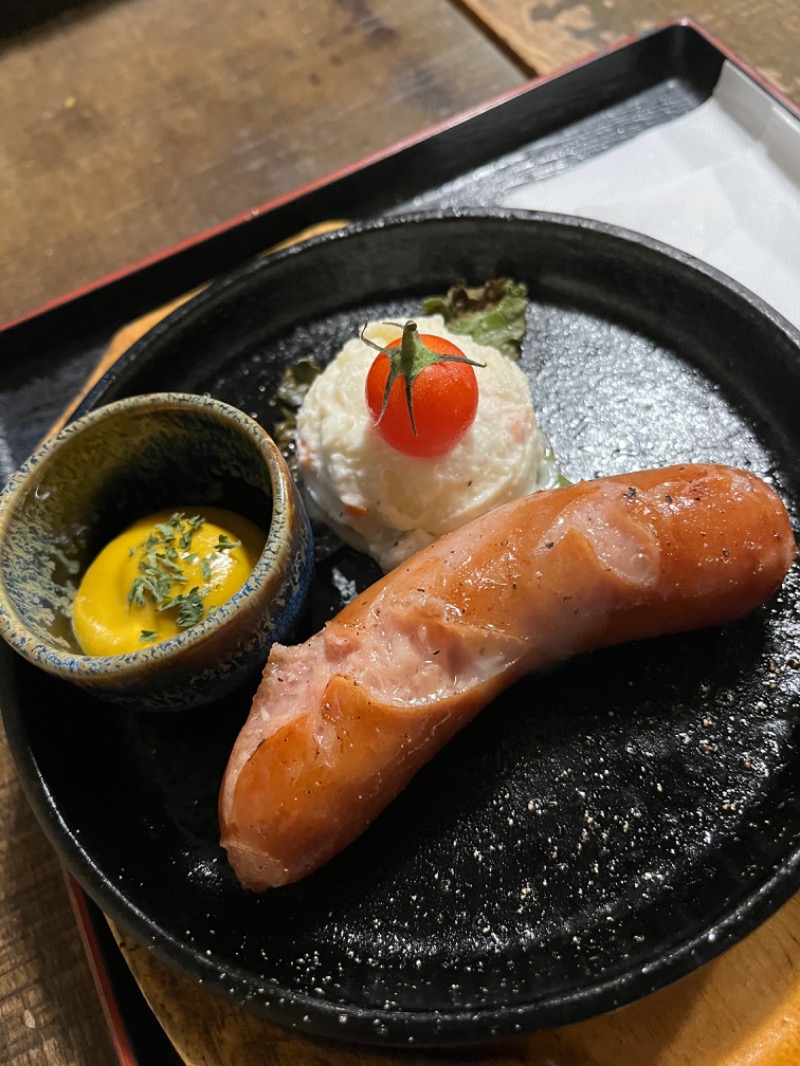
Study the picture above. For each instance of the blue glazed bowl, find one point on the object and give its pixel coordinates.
(101, 473)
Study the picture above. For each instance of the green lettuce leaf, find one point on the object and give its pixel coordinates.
(492, 314)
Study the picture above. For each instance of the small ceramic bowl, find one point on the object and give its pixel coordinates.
(122, 462)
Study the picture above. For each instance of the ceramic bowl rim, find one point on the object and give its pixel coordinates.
(13, 627)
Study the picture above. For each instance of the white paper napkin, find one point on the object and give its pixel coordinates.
(721, 182)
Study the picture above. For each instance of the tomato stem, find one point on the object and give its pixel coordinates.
(408, 361)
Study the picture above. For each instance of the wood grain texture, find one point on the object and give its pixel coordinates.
(549, 34)
(48, 1006)
(131, 125)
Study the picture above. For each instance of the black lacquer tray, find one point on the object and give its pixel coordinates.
(735, 732)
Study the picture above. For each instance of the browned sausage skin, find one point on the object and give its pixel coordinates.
(341, 723)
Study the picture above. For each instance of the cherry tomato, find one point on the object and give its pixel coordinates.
(444, 397)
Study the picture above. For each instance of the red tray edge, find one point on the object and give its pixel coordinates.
(100, 976)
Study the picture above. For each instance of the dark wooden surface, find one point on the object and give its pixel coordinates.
(129, 125)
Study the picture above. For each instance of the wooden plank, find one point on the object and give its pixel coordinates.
(549, 34)
(128, 127)
(48, 1006)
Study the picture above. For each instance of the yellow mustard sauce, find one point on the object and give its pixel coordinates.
(160, 576)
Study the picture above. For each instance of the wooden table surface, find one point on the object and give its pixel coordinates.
(130, 125)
